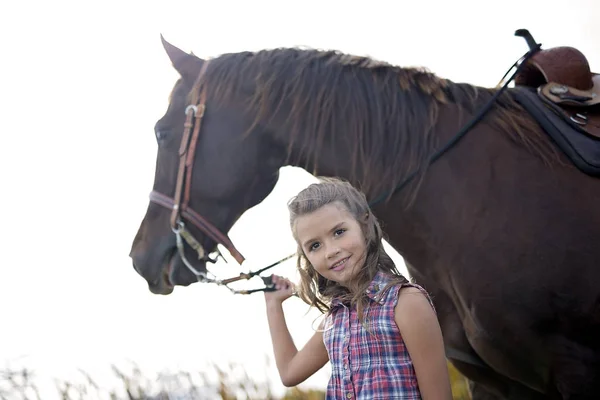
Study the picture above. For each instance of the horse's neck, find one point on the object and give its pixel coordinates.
(451, 201)
(335, 156)
(415, 230)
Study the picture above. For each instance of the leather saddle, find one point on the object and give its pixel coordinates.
(556, 86)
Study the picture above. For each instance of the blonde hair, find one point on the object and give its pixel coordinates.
(318, 291)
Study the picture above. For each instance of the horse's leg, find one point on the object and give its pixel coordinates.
(486, 383)
(576, 367)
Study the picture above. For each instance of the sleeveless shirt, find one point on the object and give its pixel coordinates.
(373, 364)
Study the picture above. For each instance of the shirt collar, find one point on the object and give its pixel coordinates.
(373, 290)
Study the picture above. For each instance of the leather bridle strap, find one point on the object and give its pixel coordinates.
(194, 113)
(179, 204)
(199, 222)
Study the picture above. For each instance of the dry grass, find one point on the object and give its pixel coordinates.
(460, 386)
(227, 384)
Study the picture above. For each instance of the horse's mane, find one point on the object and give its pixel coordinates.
(388, 112)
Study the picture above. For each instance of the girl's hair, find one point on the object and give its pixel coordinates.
(314, 289)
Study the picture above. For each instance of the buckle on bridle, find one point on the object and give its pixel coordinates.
(191, 107)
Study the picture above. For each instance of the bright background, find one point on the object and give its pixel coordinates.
(81, 86)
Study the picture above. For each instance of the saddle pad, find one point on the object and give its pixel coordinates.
(583, 150)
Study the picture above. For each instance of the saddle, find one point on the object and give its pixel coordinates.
(556, 86)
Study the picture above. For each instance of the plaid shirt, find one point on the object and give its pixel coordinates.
(369, 365)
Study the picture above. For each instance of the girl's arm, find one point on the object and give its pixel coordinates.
(294, 366)
(422, 335)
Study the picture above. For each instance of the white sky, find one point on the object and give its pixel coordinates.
(81, 86)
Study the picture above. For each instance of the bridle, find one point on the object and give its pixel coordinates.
(179, 204)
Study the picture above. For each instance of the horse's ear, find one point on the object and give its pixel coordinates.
(188, 65)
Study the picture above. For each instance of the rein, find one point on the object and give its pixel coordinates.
(180, 209)
(533, 48)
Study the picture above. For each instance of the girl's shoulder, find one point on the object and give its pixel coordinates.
(411, 293)
(401, 290)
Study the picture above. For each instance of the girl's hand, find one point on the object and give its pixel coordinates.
(284, 290)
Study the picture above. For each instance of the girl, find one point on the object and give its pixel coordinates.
(380, 332)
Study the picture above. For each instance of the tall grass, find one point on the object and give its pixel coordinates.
(231, 383)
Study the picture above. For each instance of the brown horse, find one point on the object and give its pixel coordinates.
(502, 230)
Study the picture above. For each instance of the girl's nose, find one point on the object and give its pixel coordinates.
(333, 252)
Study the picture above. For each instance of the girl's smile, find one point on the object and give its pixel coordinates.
(339, 265)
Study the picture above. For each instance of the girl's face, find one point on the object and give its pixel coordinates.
(332, 241)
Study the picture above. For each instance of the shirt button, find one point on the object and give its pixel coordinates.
(345, 366)
(349, 395)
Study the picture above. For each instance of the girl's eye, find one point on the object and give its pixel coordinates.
(314, 246)
(339, 232)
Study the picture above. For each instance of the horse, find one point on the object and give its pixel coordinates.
(501, 230)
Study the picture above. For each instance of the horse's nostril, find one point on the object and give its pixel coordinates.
(136, 268)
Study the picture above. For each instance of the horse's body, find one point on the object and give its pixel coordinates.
(502, 230)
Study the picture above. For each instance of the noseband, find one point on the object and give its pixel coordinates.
(179, 204)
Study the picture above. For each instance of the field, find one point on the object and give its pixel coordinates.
(227, 384)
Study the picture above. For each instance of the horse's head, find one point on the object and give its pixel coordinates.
(209, 171)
